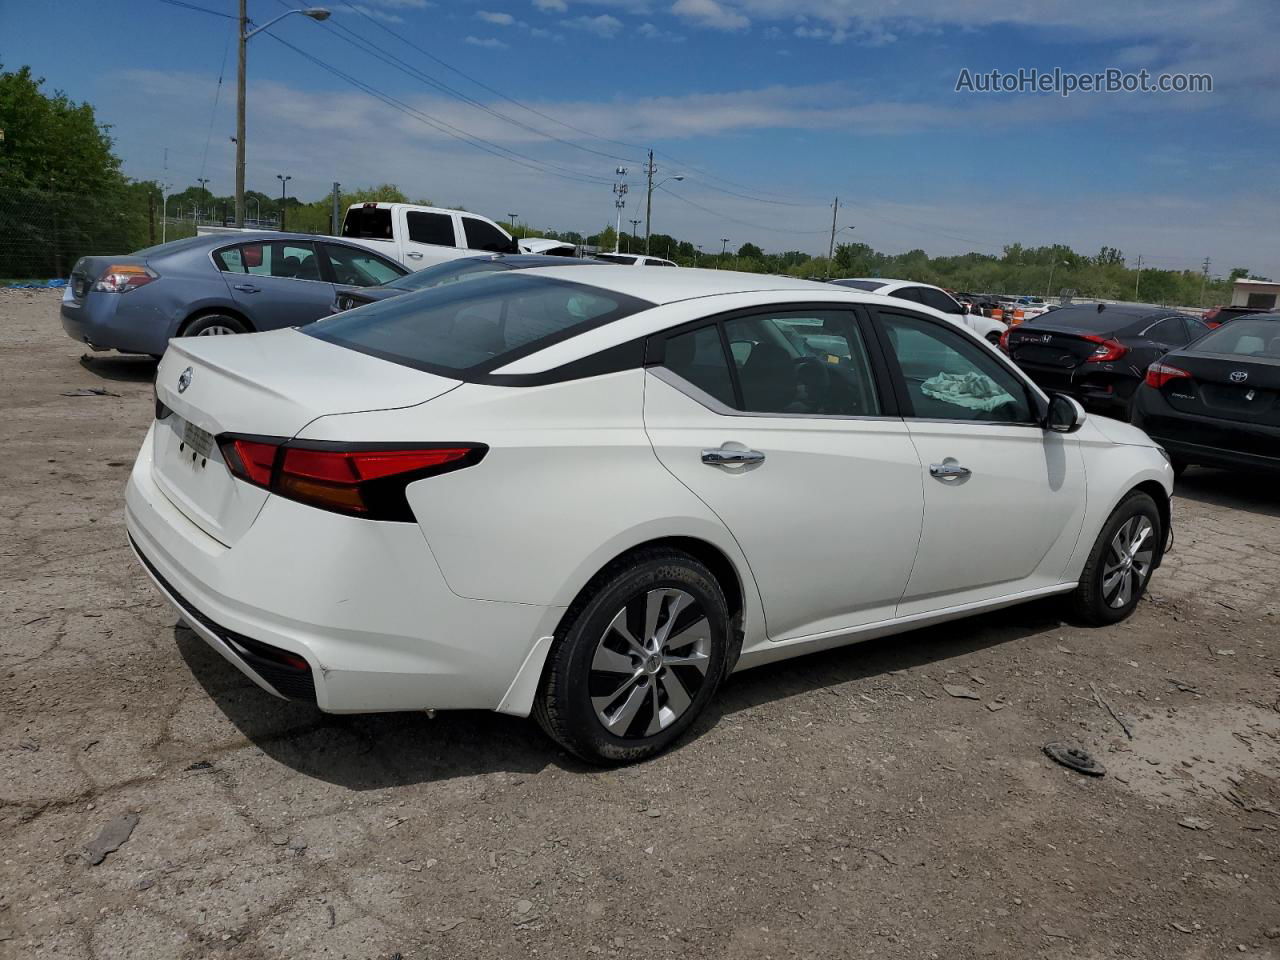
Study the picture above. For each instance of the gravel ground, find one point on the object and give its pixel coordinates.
(841, 805)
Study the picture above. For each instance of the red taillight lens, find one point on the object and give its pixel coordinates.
(1158, 374)
(123, 277)
(366, 482)
(250, 460)
(1004, 339)
(1107, 350)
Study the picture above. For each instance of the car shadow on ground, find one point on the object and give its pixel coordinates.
(125, 369)
(376, 751)
(1253, 492)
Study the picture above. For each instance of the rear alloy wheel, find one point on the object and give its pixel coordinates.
(1121, 562)
(214, 325)
(637, 661)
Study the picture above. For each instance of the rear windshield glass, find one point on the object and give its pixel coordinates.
(475, 326)
(1090, 319)
(446, 272)
(173, 246)
(616, 258)
(860, 284)
(367, 223)
(1246, 337)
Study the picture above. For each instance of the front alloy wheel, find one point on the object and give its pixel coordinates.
(1120, 563)
(1128, 562)
(636, 659)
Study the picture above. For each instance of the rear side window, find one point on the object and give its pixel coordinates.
(287, 259)
(367, 223)
(485, 236)
(476, 326)
(1169, 331)
(434, 228)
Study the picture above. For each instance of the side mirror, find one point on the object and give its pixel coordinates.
(1065, 414)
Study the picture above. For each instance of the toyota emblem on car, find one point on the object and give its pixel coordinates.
(184, 380)
(1239, 376)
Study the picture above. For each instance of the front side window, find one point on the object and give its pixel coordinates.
(360, 268)
(485, 236)
(434, 228)
(475, 326)
(949, 378)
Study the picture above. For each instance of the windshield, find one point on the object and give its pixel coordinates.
(1246, 337)
(475, 326)
(447, 272)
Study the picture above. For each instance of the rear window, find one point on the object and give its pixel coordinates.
(367, 223)
(616, 258)
(476, 326)
(1246, 337)
(860, 284)
(1089, 318)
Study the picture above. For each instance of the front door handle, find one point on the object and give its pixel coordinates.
(246, 288)
(414, 255)
(948, 470)
(721, 456)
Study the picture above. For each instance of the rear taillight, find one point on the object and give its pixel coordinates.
(123, 277)
(1158, 374)
(363, 480)
(1004, 339)
(1107, 350)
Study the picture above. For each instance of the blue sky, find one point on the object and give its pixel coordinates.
(770, 100)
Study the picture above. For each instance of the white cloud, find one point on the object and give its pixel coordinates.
(491, 43)
(651, 32)
(403, 4)
(603, 25)
(497, 19)
(551, 6)
(710, 13)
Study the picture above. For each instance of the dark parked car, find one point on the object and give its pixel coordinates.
(449, 272)
(212, 285)
(1217, 401)
(1217, 316)
(1097, 352)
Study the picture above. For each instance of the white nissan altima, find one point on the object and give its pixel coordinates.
(591, 498)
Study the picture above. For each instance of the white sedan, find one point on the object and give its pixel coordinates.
(929, 296)
(593, 498)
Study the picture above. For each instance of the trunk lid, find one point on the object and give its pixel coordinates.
(1052, 345)
(263, 384)
(1226, 386)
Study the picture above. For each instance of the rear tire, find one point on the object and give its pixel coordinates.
(636, 659)
(1120, 564)
(214, 325)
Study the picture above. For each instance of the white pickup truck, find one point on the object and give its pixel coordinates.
(421, 236)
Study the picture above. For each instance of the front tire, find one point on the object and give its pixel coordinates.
(1120, 564)
(636, 659)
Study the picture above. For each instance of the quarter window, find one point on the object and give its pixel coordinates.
(434, 228)
(949, 378)
(698, 356)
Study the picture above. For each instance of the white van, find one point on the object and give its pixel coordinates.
(418, 236)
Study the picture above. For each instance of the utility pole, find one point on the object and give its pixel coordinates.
(1204, 280)
(648, 203)
(1137, 278)
(831, 250)
(620, 194)
(335, 220)
(635, 223)
(151, 218)
(242, 38)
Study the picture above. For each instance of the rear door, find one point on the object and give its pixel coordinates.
(1003, 498)
(775, 419)
(277, 283)
(428, 237)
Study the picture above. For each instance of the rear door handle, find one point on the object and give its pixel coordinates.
(414, 255)
(948, 470)
(721, 456)
(246, 288)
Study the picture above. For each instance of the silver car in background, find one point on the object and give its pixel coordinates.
(213, 285)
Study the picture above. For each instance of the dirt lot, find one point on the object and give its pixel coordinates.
(839, 805)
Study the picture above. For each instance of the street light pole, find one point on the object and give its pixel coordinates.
(1052, 264)
(512, 217)
(634, 223)
(283, 180)
(650, 169)
(244, 34)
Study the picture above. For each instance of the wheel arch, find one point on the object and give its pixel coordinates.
(1164, 506)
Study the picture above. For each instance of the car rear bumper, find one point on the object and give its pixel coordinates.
(1095, 389)
(362, 604)
(108, 321)
(1210, 441)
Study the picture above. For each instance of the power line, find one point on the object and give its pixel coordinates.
(199, 9)
(213, 113)
(745, 223)
(442, 126)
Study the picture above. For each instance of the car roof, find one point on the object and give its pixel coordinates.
(250, 236)
(686, 283)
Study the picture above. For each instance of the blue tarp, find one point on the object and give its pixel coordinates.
(37, 285)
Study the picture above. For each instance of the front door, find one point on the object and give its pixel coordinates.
(277, 283)
(775, 420)
(1003, 498)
